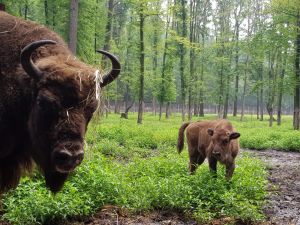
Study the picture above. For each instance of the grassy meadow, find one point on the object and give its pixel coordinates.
(136, 167)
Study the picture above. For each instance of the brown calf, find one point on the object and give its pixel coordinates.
(216, 140)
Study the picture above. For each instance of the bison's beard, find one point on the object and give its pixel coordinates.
(55, 180)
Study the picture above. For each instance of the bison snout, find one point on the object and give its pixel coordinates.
(216, 153)
(65, 161)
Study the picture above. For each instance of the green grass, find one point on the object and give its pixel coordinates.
(254, 134)
(137, 167)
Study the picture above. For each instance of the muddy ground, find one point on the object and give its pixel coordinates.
(283, 207)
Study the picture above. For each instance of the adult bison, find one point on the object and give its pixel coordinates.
(215, 140)
(47, 98)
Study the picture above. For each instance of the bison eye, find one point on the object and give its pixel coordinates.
(225, 142)
(47, 104)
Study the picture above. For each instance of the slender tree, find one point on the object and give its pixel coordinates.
(73, 25)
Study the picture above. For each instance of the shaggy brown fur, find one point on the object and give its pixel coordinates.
(41, 120)
(215, 140)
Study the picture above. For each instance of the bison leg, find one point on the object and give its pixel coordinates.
(212, 162)
(194, 162)
(229, 170)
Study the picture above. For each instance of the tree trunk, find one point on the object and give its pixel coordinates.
(108, 28)
(280, 94)
(154, 105)
(261, 96)
(272, 81)
(168, 112)
(244, 90)
(53, 10)
(182, 62)
(236, 88)
(127, 97)
(196, 109)
(127, 108)
(2, 7)
(107, 111)
(46, 12)
(243, 97)
(162, 94)
(117, 107)
(221, 93)
(190, 105)
(201, 91)
(160, 110)
(192, 57)
(142, 67)
(155, 59)
(296, 120)
(225, 112)
(26, 10)
(257, 104)
(73, 26)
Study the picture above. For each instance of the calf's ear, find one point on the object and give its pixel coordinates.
(210, 131)
(234, 135)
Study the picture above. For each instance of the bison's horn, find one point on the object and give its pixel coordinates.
(26, 61)
(115, 71)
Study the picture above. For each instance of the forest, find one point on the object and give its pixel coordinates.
(228, 57)
(182, 61)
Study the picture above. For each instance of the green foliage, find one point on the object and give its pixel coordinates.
(258, 135)
(272, 30)
(32, 203)
(137, 167)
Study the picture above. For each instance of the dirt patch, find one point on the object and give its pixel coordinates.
(283, 206)
(111, 215)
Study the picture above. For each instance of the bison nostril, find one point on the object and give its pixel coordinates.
(65, 160)
(62, 156)
(79, 156)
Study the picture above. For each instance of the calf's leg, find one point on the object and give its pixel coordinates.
(193, 163)
(195, 159)
(212, 162)
(229, 170)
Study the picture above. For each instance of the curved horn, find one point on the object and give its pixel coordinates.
(26, 61)
(115, 71)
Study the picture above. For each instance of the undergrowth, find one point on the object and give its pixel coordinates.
(136, 167)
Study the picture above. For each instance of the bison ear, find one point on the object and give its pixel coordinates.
(234, 135)
(210, 131)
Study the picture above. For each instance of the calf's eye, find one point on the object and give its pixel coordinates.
(225, 142)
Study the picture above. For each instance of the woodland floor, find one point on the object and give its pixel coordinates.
(283, 207)
(284, 176)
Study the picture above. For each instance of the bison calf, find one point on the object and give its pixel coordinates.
(216, 140)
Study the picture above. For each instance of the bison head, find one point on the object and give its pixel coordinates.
(220, 140)
(63, 101)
